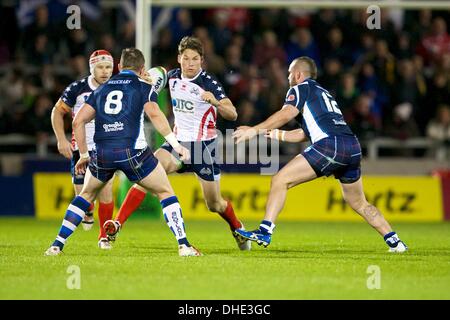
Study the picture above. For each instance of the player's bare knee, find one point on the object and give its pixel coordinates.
(88, 196)
(278, 181)
(105, 195)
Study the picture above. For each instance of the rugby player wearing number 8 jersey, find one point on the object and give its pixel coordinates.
(118, 108)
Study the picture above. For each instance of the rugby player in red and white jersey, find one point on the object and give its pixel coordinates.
(101, 67)
(197, 99)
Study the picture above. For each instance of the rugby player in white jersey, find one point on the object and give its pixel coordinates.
(197, 99)
(101, 68)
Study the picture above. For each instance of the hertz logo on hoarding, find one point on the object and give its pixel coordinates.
(398, 198)
(390, 200)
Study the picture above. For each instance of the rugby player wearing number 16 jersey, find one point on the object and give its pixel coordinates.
(334, 150)
(197, 99)
(118, 108)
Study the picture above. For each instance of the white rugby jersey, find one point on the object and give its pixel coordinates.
(195, 119)
(75, 96)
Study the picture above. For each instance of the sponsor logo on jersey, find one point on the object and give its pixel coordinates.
(113, 127)
(195, 91)
(206, 171)
(339, 122)
(182, 105)
(291, 97)
(119, 81)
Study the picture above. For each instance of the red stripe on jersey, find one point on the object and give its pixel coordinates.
(211, 127)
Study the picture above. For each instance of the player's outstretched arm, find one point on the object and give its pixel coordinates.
(297, 135)
(161, 124)
(275, 121)
(59, 111)
(83, 116)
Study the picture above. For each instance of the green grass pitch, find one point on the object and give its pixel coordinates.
(306, 260)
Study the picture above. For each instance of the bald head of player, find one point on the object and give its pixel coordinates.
(132, 59)
(301, 69)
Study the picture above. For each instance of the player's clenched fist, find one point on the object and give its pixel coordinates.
(185, 154)
(209, 97)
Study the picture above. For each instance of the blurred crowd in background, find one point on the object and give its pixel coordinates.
(391, 82)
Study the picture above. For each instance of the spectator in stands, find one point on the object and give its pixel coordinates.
(40, 53)
(362, 49)
(272, 19)
(364, 123)
(213, 62)
(41, 26)
(436, 43)
(181, 25)
(234, 67)
(39, 120)
(163, 51)
(127, 38)
(248, 115)
(410, 86)
(302, 44)
(384, 63)
(275, 73)
(78, 45)
(335, 47)
(403, 48)
(439, 91)
(219, 31)
(330, 76)
(12, 87)
(347, 92)
(439, 128)
(267, 49)
(402, 125)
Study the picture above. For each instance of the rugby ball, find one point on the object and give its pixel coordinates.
(158, 75)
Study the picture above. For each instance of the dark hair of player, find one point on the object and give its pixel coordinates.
(132, 58)
(192, 43)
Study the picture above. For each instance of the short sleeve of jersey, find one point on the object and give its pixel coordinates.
(69, 95)
(297, 95)
(172, 73)
(215, 87)
(91, 100)
(148, 92)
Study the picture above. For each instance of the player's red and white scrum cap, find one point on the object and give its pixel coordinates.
(99, 56)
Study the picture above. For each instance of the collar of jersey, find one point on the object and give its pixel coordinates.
(90, 82)
(192, 79)
(127, 72)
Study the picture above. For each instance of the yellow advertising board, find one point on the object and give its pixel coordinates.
(52, 194)
(399, 198)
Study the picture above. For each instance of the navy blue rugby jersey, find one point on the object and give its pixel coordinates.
(320, 116)
(119, 105)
